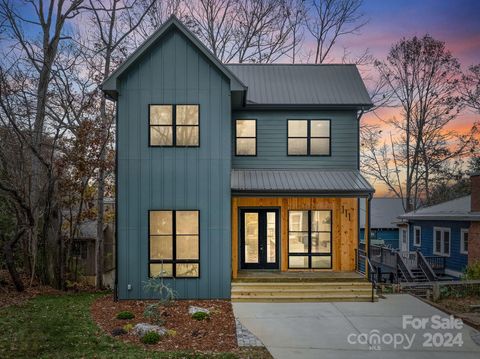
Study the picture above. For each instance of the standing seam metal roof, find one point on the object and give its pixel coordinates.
(300, 181)
(302, 84)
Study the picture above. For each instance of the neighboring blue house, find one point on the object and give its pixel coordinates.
(384, 218)
(224, 170)
(440, 230)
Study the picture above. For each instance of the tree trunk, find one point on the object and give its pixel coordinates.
(8, 250)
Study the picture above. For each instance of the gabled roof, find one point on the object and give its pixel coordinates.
(454, 210)
(384, 212)
(300, 181)
(326, 85)
(109, 86)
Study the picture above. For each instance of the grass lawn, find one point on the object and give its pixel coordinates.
(61, 327)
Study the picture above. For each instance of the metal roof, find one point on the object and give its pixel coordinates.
(110, 85)
(454, 210)
(384, 212)
(309, 181)
(324, 85)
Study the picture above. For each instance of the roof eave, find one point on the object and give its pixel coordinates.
(283, 106)
(306, 193)
(464, 217)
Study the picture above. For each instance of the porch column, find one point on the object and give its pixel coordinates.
(367, 232)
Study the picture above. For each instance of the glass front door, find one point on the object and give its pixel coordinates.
(259, 238)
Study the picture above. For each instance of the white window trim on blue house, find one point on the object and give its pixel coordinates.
(442, 251)
(463, 231)
(417, 243)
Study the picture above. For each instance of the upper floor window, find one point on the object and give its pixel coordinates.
(417, 236)
(174, 125)
(441, 241)
(174, 238)
(246, 138)
(309, 137)
(464, 241)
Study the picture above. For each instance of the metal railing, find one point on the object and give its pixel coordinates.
(425, 267)
(365, 267)
(437, 263)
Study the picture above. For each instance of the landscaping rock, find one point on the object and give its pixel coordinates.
(192, 310)
(143, 328)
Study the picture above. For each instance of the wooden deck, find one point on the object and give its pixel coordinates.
(297, 276)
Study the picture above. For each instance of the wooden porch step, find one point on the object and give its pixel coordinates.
(296, 279)
(301, 292)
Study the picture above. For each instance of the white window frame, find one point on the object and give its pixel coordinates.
(462, 241)
(415, 243)
(442, 252)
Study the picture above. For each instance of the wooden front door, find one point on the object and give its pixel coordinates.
(259, 233)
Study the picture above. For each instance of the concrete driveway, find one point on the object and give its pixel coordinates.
(344, 330)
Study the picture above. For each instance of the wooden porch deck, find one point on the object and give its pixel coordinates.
(297, 276)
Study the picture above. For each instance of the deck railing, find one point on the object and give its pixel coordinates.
(364, 266)
(437, 263)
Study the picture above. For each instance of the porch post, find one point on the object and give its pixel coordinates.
(367, 233)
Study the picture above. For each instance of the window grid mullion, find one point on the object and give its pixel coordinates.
(174, 242)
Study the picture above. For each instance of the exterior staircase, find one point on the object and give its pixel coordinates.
(289, 290)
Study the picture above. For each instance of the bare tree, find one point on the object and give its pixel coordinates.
(330, 20)
(157, 12)
(423, 77)
(471, 88)
(113, 23)
(36, 56)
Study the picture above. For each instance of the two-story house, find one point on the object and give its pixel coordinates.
(229, 169)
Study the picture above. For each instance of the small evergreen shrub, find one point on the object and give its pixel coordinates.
(150, 338)
(200, 316)
(125, 315)
(153, 311)
(118, 331)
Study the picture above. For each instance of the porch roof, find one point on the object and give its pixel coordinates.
(300, 182)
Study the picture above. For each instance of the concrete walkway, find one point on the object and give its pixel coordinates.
(327, 330)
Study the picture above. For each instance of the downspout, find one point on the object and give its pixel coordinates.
(115, 286)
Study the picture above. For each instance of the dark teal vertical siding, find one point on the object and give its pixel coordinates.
(272, 140)
(174, 72)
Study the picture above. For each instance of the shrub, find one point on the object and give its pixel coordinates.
(128, 327)
(153, 312)
(162, 291)
(125, 315)
(150, 338)
(472, 272)
(118, 331)
(200, 316)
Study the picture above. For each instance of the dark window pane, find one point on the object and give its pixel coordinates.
(320, 262)
(438, 241)
(187, 135)
(161, 269)
(246, 147)
(187, 270)
(187, 114)
(161, 136)
(320, 128)
(321, 221)
(298, 221)
(319, 146)
(160, 114)
(245, 128)
(297, 128)
(298, 261)
(187, 222)
(160, 222)
(321, 242)
(161, 247)
(446, 242)
(298, 242)
(297, 146)
(187, 247)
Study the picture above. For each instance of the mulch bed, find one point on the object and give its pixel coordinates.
(214, 335)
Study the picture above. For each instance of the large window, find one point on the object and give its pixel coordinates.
(174, 243)
(441, 241)
(417, 236)
(245, 137)
(174, 125)
(310, 239)
(464, 241)
(308, 138)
